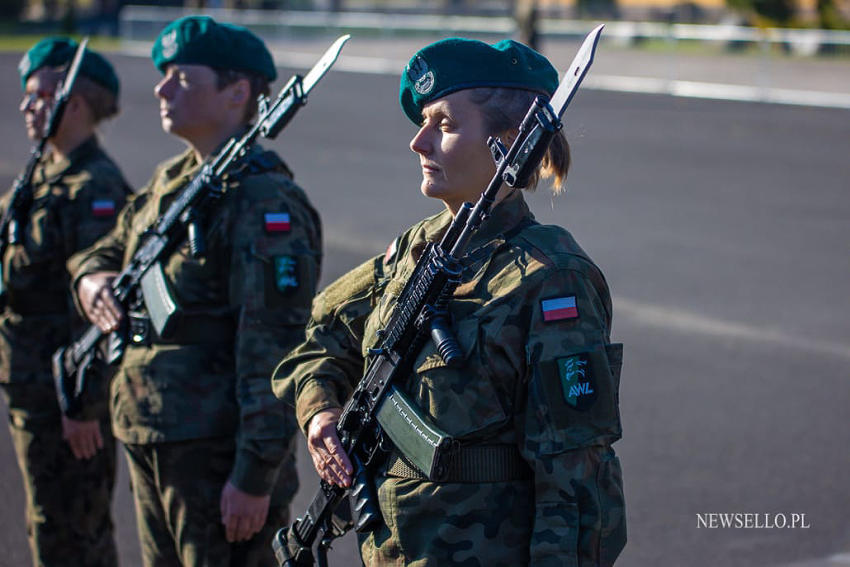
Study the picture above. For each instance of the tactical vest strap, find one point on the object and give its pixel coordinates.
(471, 463)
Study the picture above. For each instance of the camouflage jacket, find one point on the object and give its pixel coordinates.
(245, 305)
(532, 315)
(75, 202)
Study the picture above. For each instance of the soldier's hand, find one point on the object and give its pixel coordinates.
(83, 436)
(326, 450)
(95, 294)
(242, 514)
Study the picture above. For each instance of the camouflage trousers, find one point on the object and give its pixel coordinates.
(177, 491)
(68, 517)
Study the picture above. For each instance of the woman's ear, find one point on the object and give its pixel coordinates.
(240, 92)
(77, 107)
(508, 137)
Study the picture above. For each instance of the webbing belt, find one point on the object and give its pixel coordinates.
(192, 329)
(472, 463)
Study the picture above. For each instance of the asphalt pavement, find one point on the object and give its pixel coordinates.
(723, 230)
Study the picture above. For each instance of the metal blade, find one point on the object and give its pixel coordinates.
(71, 75)
(574, 75)
(319, 69)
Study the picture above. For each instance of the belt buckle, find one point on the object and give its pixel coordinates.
(140, 329)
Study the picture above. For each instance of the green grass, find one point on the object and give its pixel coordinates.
(20, 43)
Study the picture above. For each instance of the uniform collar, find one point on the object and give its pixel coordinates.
(505, 215)
(187, 165)
(179, 171)
(54, 169)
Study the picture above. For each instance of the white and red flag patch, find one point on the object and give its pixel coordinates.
(277, 222)
(559, 308)
(103, 208)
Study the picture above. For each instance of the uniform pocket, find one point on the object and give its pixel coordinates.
(609, 483)
(181, 391)
(554, 540)
(464, 400)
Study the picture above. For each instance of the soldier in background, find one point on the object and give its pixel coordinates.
(526, 15)
(67, 462)
(535, 405)
(209, 447)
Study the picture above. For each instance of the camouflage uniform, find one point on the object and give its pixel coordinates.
(68, 500)
(196, 409)
(547, 387)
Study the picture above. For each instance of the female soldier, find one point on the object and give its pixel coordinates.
(68, 463)
(209, 448)
(535, 480)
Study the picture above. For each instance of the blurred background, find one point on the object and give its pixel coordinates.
(710, 181)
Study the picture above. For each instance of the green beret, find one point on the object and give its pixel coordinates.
(456, 63)
(58, 51)
(200, 40)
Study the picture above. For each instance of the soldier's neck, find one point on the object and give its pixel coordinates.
(66, 142)
(207, 146)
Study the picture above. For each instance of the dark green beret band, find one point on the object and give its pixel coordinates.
(58, 51)
(454, 64)
(200, 40)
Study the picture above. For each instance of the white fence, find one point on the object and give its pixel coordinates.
(144, 22)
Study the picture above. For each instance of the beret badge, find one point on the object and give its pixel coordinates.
(24, 65)
(169, 44)
(421, 76)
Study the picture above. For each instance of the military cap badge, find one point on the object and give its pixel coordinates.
(169, 44)
(421, 76)
(25, 65)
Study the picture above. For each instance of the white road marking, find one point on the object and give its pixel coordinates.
(628, 84)
(685, 321)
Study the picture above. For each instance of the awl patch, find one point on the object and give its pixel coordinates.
(285, 273)
(277, 222)
(558, 308)
(577, 381)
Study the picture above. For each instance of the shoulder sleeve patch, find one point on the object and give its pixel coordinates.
(276, 222)
(103, 208)
(286, 273)
(577, 383)
(559, 308)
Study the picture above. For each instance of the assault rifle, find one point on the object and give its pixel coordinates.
(179, 222)
(14, 217)
(377, 410)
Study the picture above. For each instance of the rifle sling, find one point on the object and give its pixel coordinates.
(191, 329)
(472, 464)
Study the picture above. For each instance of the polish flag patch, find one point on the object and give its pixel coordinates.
(103, 208)
(391, 250)
(277, 222)
(559, 308)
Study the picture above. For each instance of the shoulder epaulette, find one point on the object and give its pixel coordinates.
(266, 161)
